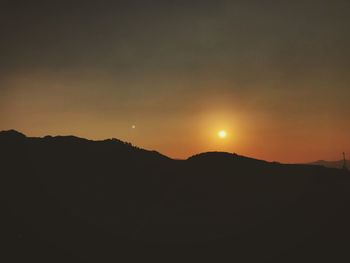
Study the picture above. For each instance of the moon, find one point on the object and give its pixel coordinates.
(222, 134)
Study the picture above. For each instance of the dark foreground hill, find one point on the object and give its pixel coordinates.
(67, 199)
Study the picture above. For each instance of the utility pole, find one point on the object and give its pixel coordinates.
(344, 162)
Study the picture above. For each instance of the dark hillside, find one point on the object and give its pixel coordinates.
(67, 199)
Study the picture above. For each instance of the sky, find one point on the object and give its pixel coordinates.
(168, 75)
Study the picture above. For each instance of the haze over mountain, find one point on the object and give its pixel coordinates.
(273, 74)
(68, 199)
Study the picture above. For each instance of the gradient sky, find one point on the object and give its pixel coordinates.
(273, 74)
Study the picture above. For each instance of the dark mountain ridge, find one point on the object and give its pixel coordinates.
(70, 199)
(332, 164)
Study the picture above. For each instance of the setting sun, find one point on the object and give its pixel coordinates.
(222, 134)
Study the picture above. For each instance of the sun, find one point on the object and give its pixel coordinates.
(222, 134)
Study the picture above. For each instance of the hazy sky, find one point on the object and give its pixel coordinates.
(273, 74)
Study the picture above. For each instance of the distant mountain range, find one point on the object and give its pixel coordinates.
(332, 164)
(68, 199)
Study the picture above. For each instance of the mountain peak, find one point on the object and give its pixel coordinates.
(212, 156)
(12, 134)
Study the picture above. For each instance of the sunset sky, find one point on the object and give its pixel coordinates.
(275, 75)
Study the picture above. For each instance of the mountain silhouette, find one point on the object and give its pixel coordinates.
(332, 164)
(68, 199)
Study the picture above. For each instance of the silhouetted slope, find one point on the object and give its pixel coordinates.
(11, 135)
(332, 164)
(67, 199)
